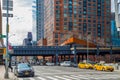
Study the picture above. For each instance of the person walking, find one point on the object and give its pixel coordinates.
(9, 66)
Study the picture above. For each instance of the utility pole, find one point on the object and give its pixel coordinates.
(7, 55)
(87, 49)
(88, 36)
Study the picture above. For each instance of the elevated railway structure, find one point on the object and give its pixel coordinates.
(70, 51)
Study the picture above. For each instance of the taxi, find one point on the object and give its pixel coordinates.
(103, 67)
(83, 65)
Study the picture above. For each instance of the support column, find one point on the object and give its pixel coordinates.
(52, 58)
(44, 60)
(82, 57)
(78, 58)
(64, 58)
(111, 54)
(74, 52)
(86, 57)
(97, 55)
(56, 56)
(69, 57)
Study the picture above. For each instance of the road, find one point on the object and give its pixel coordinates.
(70, 73)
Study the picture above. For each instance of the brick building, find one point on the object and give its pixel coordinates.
(63, 18)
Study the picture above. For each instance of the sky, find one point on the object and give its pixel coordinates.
(21, 23)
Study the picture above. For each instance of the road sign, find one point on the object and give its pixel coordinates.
(2, 36)
(2, 50)
(5, 15)
(10, 5)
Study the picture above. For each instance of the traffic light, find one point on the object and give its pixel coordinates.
(2, 50)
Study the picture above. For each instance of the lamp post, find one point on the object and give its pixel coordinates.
(7, 55)
(88, 36)
(87, 49)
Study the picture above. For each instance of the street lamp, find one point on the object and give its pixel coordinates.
(87, 49)
(88, 36)
(7, 55)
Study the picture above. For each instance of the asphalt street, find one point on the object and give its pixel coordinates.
(70, 73)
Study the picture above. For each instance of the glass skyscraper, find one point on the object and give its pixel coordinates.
(117, 13)
(38, 19)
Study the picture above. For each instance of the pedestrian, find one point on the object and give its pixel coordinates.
(4, 63)
(9, 66)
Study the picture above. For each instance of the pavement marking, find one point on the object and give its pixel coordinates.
(70, 77)
(51, 78)
(62, 78)
(80, 76)
(20, 78)
(31, 78)
(41, 78)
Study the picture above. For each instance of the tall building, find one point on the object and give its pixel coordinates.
(117, 13)
(28, 41)
(114, 32)
(38, 18)
(34, 30)
(77, 17)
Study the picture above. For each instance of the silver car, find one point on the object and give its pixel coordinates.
(65, 63)
(50, 64)
(24, 69)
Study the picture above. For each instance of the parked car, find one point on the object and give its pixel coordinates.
(74, 64)
(84, 65)
(50, 64)
(24, 69)
(66, 63)
(103, 67)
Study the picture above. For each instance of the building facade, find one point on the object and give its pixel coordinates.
(38, 19)
(117, 13)
(77, 17)
(28, 41)
(115, 33)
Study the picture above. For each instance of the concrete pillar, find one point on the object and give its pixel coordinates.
(82, 57)
(44, 60)
(56, 55)
(61, 57)
(52, 58)
(69, 57)
(74, 52)
(78, 58)
(64, 58)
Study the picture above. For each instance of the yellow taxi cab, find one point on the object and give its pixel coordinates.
(103, 67)
(83, 65)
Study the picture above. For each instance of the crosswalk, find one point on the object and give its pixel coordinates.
(73, 77)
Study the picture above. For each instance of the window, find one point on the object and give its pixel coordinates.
(56, 35)
(56, 41)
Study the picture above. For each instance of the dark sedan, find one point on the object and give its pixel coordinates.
(24, 69)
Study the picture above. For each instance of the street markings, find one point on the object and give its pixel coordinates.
(72, 77)
(62, 78)
(52, 78)
(41, 78)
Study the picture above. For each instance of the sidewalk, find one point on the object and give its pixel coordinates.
(2, 72)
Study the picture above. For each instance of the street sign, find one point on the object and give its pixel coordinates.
(5, 15)
(2, 36)
(10, 5)
(2, 50)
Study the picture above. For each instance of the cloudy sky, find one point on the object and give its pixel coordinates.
(21, 23)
